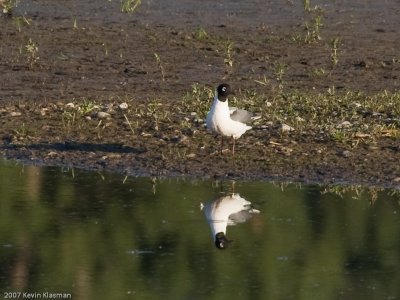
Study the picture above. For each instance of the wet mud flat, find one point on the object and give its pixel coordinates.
(128, 93)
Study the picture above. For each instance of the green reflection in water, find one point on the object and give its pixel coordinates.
(103, 237)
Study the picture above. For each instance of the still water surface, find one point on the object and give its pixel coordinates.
(103, 236)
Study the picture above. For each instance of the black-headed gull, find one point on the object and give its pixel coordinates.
(226, 121)
(226, 210)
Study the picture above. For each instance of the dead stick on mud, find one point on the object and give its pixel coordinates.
(129, 123)
(158, 59)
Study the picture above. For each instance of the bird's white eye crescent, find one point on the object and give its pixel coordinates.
(223, 88)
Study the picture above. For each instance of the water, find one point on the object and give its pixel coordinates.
(103, 236)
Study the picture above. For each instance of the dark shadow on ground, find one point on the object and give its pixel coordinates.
(78, 146)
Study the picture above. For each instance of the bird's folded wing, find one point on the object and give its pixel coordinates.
(241, 115)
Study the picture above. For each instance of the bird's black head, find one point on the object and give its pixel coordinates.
(223, 91)
(221, 242)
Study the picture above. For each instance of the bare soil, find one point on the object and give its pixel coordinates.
(92, 52)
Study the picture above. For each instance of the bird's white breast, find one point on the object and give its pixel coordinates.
(218, 211)
(219, 120)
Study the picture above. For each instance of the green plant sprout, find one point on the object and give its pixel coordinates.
(279, 71)
(129, 6)
(20, 21)
(201, 34)
(228, 57)
(8, 5)
(335, 43)
(32, 52)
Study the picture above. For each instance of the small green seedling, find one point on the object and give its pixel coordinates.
(129, 6)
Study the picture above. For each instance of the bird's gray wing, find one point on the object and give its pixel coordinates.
(242, 216)
(241, 115)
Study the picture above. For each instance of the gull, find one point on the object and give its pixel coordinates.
(227, 121)
(226, 210)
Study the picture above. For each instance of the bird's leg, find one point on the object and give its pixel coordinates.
(233, 147)
(222, 144)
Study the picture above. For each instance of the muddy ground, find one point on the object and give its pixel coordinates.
(90, 52)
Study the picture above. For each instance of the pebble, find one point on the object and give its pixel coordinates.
(123, 106)
(15, 114)
(361, 135)
(344, 124)
(103, 115)
(285, 128)
(346, 153)
(373, 147)
(44, 111)
(70, 105)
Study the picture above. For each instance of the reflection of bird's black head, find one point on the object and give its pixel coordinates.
(221, 242)
(223, 91)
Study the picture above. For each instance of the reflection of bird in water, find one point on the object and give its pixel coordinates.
(226, 210)
(225, 120)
